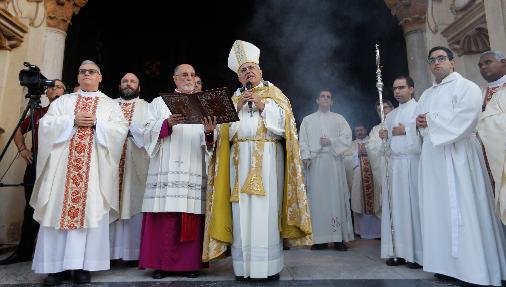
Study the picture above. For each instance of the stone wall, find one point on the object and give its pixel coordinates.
(30, 31)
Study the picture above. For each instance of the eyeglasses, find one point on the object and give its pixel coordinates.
(244, 70)
(58, 87)
(89, 71)
(438, 59)
(186, 75)
(399, 88)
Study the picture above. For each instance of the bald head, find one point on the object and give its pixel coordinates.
(184, 78)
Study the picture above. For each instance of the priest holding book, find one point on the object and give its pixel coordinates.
(174, 200)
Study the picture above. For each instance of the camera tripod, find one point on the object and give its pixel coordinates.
(33, 104)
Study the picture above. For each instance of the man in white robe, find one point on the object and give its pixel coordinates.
(402, 220)
(125, 233)
(263, 181)
(324, 137)
(174, 200)
(77, 177)
(461, 235)
(367, 181)
(492, 124)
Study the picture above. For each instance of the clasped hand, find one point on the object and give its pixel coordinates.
(248, 96)
(84, 119)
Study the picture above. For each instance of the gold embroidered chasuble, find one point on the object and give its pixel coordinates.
(295, 221)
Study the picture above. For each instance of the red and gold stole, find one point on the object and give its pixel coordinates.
(367, 179)
(489, 94)
(128, 111)
(78, 169)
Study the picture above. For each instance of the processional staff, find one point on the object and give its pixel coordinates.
(379, 86)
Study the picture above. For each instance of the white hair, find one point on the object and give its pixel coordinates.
(90, 62)
(497, 55)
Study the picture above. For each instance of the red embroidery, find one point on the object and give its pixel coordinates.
(128, 111)
(489, 94)
(367, 180)
(78, 169)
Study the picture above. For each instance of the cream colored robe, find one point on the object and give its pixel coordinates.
(56, 130)
(375, 152)
(349, 163)
(136, 162)
(492, 130)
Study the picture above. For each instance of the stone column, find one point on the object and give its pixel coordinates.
(412, 16)
(59, 15)
(495, 11)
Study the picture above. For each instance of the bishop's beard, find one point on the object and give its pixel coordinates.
(128, 94)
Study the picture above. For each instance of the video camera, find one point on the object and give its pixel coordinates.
(34, 81)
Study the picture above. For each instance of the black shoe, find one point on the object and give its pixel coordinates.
(192, 274)
(444, 277)
(113, 262)
(274, 277)
(340, 246)
(320, 246)
(54, 279)
(15, 258)
(241, 278)
(413, 265)
(159, 274)
(395, 261)
(286, 248)
(132, 263)
(82, 276)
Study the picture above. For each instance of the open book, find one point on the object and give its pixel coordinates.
(194, 107)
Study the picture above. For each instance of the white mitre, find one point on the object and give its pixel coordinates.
(242, 52)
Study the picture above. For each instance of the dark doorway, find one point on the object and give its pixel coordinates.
(306, 46)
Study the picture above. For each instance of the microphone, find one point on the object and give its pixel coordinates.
(249, 86)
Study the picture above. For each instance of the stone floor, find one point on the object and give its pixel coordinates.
(360, 266)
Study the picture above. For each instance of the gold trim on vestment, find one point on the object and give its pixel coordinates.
(295, 223)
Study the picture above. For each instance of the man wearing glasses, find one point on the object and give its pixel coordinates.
(462, 237)
(29, 228)
(402, 193)
(250, 173)
(76, 190)
(174, 200)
